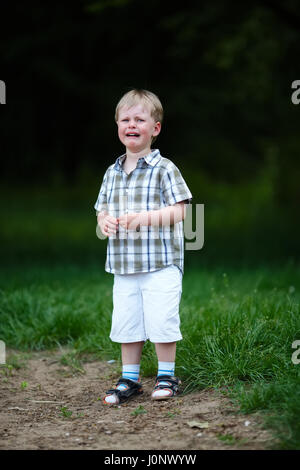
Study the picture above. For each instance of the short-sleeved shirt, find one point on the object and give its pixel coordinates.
(155, 183)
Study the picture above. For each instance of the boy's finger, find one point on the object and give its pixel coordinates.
(111, 228)
(113, 220)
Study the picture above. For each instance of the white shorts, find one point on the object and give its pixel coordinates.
(146, 306)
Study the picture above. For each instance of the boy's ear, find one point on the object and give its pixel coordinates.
(157, 128)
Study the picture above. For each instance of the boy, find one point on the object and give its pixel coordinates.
(140, 208)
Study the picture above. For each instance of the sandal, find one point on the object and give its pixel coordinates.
(166, 386)
(130, 389)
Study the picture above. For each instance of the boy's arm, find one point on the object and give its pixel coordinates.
(166, 216)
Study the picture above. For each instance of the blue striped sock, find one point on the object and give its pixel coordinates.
(166, 368)
(130, 371)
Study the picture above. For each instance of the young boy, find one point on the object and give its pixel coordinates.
(140, 208)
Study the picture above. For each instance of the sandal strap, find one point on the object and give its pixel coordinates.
(173, 382)
(133, 388)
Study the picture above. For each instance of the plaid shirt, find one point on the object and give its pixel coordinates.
(155, 183)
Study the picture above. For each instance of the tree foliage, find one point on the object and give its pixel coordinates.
(222, 69)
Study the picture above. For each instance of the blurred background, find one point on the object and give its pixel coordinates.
(223, 72)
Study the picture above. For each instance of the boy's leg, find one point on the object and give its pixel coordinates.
(131, 357)
(131, 352)
(127, 325)
(166, 352)
(161, 291)
(165, 387)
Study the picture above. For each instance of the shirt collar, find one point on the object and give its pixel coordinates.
(151, 159)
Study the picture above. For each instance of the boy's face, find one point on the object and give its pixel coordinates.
(136, 127)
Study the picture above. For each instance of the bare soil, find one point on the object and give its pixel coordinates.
(48, 405)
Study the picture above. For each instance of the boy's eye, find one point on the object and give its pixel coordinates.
(126, 120)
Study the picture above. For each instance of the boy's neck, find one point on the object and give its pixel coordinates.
(133, 157)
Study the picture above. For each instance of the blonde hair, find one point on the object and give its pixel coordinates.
(135, 96)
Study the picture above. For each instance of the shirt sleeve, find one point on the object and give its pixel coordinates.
(174, 188)
(101, 203)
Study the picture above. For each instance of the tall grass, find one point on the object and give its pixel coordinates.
(238, 328)
(240, 301)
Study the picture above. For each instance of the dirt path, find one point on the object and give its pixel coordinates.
(38, 397)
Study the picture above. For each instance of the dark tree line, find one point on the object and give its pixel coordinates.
(222, 69)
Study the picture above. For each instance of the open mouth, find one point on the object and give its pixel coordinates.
(132, 134)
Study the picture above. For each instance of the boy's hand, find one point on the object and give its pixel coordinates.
(108, 224)
(129, 221)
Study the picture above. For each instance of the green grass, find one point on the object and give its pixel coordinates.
(240, 301)
(65, 412)
(138, 411)
(238, 328)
